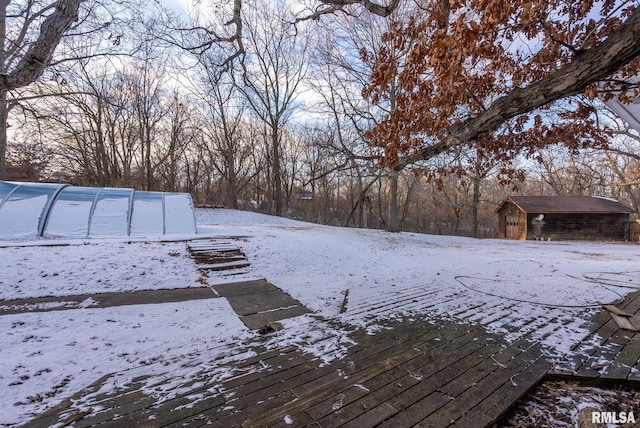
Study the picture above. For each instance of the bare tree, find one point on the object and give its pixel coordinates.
(177, 134)
(32, 34)
(145, 80)
(344, 74)
(79, 120)
(40, 27)
(273, 69)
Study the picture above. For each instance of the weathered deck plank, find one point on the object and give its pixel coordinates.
(397, 377)
(259, 303)
(104, 300)
(360, 361)
(608, 352)
(488, 411)
(398, 380)
(416, 373)
(278, 362)
(217, 255)
(488, 379)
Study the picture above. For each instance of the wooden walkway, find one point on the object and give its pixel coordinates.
(260, 304)
(414, 374)
(218, 255)
(104, 300)
(608, 353)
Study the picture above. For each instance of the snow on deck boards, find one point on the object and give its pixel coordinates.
(217, 255)
(608, 352)
(413, 373)
(584, 343)
(234, 264)
(351, 279)
(104, 300)
(409, 373)
(259, 303)
(256, 302)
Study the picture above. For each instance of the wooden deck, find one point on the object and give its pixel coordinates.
(257, 303)
(104, 300)
(608, 353)
(413, 374)
(260, 304)
(218, 255)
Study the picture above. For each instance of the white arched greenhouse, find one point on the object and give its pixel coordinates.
(60, 210)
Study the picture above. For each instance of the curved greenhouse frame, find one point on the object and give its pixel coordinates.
(60, 210)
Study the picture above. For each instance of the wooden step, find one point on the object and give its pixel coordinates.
(224, 266)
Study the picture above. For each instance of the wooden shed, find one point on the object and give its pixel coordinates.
(563, 218)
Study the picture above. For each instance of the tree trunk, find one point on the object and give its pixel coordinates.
(147, 164)
(39, 53)
(394, 219)
(474, 205)
(4, 114)
(277, 176)
(3, 93)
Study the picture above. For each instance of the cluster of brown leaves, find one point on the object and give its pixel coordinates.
(454, 58)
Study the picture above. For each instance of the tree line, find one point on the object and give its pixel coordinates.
(338, 114)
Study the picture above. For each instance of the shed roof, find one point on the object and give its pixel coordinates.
(566, 205)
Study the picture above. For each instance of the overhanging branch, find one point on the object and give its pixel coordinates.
(333, 6)
(40, 52)
(588, 67)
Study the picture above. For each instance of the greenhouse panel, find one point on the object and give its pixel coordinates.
(111, 212)
(147, 217)
(24, 208)
(70, 212)
(29, 210)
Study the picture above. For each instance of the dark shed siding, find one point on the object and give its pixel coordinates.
(564, 218)
(596, 227)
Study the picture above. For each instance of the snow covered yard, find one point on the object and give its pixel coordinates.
(547, 290)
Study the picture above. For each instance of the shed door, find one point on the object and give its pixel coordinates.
(512, 227)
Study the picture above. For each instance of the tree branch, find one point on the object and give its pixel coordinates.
(333, 6)
(623, 152)
(588, 67)
(39, 54)
(375, 8)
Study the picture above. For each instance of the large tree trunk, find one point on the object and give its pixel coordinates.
(277, 175)
(40, 52)
(475, 203)
(394, 219)
(4, 114)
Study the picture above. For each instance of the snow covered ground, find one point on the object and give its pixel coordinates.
(547, 290)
